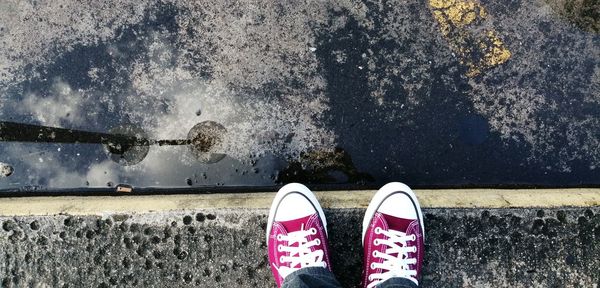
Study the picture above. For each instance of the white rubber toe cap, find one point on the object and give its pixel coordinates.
(293, 206)
(398, 205)
(395, 199)
(294, 201)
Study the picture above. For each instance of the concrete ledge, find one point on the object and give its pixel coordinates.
(449, 198)
(516, 247)
(475, 238)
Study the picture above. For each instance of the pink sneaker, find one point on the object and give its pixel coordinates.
(393, 235)
(296, 232)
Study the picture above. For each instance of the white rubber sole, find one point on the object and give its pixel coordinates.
(294, 188)
(381, 195)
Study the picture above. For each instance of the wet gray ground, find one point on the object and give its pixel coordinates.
(452, 92)
(221, 248)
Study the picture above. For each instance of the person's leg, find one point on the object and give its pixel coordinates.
(311, 277)
(393, 239)
(297, 240)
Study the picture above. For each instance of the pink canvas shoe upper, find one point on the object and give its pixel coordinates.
(393, 245)
(296, 243)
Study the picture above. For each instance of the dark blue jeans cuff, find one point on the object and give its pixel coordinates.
(397, 283)
(310, 277)
(322, 277)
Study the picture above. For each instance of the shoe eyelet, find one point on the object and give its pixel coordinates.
(324, 264)
(373, 266)
(377, 230)
(313, 231)
(279, 248)
(414, 237)
(370, 278)
(318, 241)
(414, 250)
(279, 237)
(375, 253)
(376, 242)
(281, 260)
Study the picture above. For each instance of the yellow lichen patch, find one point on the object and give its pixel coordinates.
(441, 4)
(458, 21)
(461, 13)
(496, 52)
(482, 13)
(439, 16)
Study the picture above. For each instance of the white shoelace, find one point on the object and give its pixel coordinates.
(301, 254)
(393, 266)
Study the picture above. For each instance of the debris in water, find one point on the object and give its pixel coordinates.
(204, 137)
(5, 170)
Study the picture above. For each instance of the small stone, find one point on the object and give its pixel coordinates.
(188, 277)
(35, 225)
(135, 228)
(540, 213)
(126, 263)
(69, 221)
(8, 225)
(148, 231)
(561, 216)
(182, 255)
(589, 213)
(570, 260)
(537, 227)
(42, 241)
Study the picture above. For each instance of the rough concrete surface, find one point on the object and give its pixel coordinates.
(224, 248)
